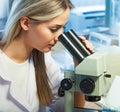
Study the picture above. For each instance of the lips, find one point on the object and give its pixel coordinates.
(51, 45)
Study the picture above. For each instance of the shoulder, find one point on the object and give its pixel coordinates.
(48, 58)
(52, 68)
(50, 61)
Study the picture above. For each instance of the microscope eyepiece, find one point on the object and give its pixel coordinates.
(74, 45)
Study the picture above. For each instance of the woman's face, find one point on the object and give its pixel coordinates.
(44, 35)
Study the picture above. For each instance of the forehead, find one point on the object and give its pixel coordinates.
(61, 19)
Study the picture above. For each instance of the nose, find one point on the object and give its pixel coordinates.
(58, 34)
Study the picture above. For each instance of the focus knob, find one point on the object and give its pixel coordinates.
(66, 84)
(87, 86)
(61, 92)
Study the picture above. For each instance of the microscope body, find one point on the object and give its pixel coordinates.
(93, 75)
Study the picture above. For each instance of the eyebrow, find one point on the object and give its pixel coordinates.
(61, 25)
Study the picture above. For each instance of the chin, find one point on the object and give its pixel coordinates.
(46, 50)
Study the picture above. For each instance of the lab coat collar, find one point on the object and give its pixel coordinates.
(13, 92)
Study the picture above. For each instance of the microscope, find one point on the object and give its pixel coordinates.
(93, 75)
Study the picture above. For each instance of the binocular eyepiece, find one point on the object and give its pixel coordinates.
(74, 45)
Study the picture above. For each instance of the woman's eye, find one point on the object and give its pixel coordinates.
(53, 30)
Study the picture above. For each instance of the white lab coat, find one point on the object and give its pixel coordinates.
(11, 99)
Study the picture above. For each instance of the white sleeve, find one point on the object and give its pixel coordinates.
(55, 76)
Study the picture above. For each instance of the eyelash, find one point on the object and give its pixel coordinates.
(53, 30)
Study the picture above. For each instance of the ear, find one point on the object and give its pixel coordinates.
(24, 22)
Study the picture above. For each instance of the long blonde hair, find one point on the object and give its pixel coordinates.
(38, 10)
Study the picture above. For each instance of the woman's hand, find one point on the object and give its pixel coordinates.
(87, 44)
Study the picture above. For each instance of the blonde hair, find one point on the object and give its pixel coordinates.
(41, 10)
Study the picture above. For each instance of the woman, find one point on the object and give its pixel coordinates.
(28, 82)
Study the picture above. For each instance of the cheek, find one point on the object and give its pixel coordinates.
(42, 38)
